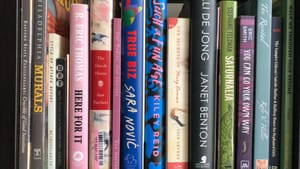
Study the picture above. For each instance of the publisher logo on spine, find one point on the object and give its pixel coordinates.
(78, 156)
(245, 164)
(203, 163)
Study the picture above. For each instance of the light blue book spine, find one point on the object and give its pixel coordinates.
(263, 79)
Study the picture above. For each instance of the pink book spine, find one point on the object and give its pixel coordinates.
(116, 93)
(79, 87)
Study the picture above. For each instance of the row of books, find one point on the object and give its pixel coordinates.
(213, 90)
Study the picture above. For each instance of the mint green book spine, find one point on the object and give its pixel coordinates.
(262, 84)
(228, 84)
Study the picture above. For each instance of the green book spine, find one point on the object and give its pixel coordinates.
(228, 83)
(285, 9)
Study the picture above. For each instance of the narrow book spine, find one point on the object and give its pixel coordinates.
(156, 27)
(38, 88)
(228, 84)
(262, 84)
(177, 93)
(245, 95)
(132, 84)
(202, 89)
(79, 89)
(100, 83)
(26, 36)
(286, 145)
(275, 107)
(61, 113)
(116, 93)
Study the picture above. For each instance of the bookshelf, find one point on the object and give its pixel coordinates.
(8, 71)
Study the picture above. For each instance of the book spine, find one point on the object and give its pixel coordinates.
(61, 113)
(132, 84)
(155, 96)
(262, 84)
(38, 88)
(79, 89)
(228, 83)
(276, 61)
(116, 93)
(203, 81)
(245, 95)
(286, 148)
(100, 77)
(177, 92)
(26, 37)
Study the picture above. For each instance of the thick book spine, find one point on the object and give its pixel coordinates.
(116, 93)
(262, 84)
(286, 146)
(227, 103)
(245, 89)
(132, 84)
(275, 107)
(61, 113)
(38, 88)
(79, 88)
(177, 92)
(155, 97)
(26, 36)
(203, 80)
(101, 13)
(57, 48)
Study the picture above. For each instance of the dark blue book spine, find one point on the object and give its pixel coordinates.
(132, 83)
(156, 27)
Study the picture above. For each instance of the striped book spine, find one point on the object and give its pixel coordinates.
(245, 95)
(101, 13)
(262, 84)
(177, 93)
(155, 97)
(116, 93)
(79, 89)
(132, 84)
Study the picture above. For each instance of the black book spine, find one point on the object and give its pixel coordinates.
(26, 36)
(203, 80)
(38, 104)
(276, 61)
(61, 113)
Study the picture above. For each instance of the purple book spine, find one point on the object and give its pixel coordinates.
(116, 103)
(245, 92)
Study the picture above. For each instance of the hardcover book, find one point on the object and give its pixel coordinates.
(245, 89)
(116, 93)
(38, 87)
(132, 84)
(79, 87)
(227, 98)
(203, 84)
(177, 93)
(155, 94)
(101, 13)
(275, 107)
(262, 84)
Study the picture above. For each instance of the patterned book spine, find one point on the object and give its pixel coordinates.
(25, 83)
(116, 93)
(132, 84)
(177, 92)
(61, 113)
(100, 77)
(245, 92)
(203, 81)
(38, 88)
(227, 84)
(276, 61)
(156, 28)
(79, 89)
(262, 84)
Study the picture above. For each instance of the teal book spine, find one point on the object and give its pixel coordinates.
(263, 83)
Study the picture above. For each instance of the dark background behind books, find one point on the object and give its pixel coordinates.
(8, 71)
